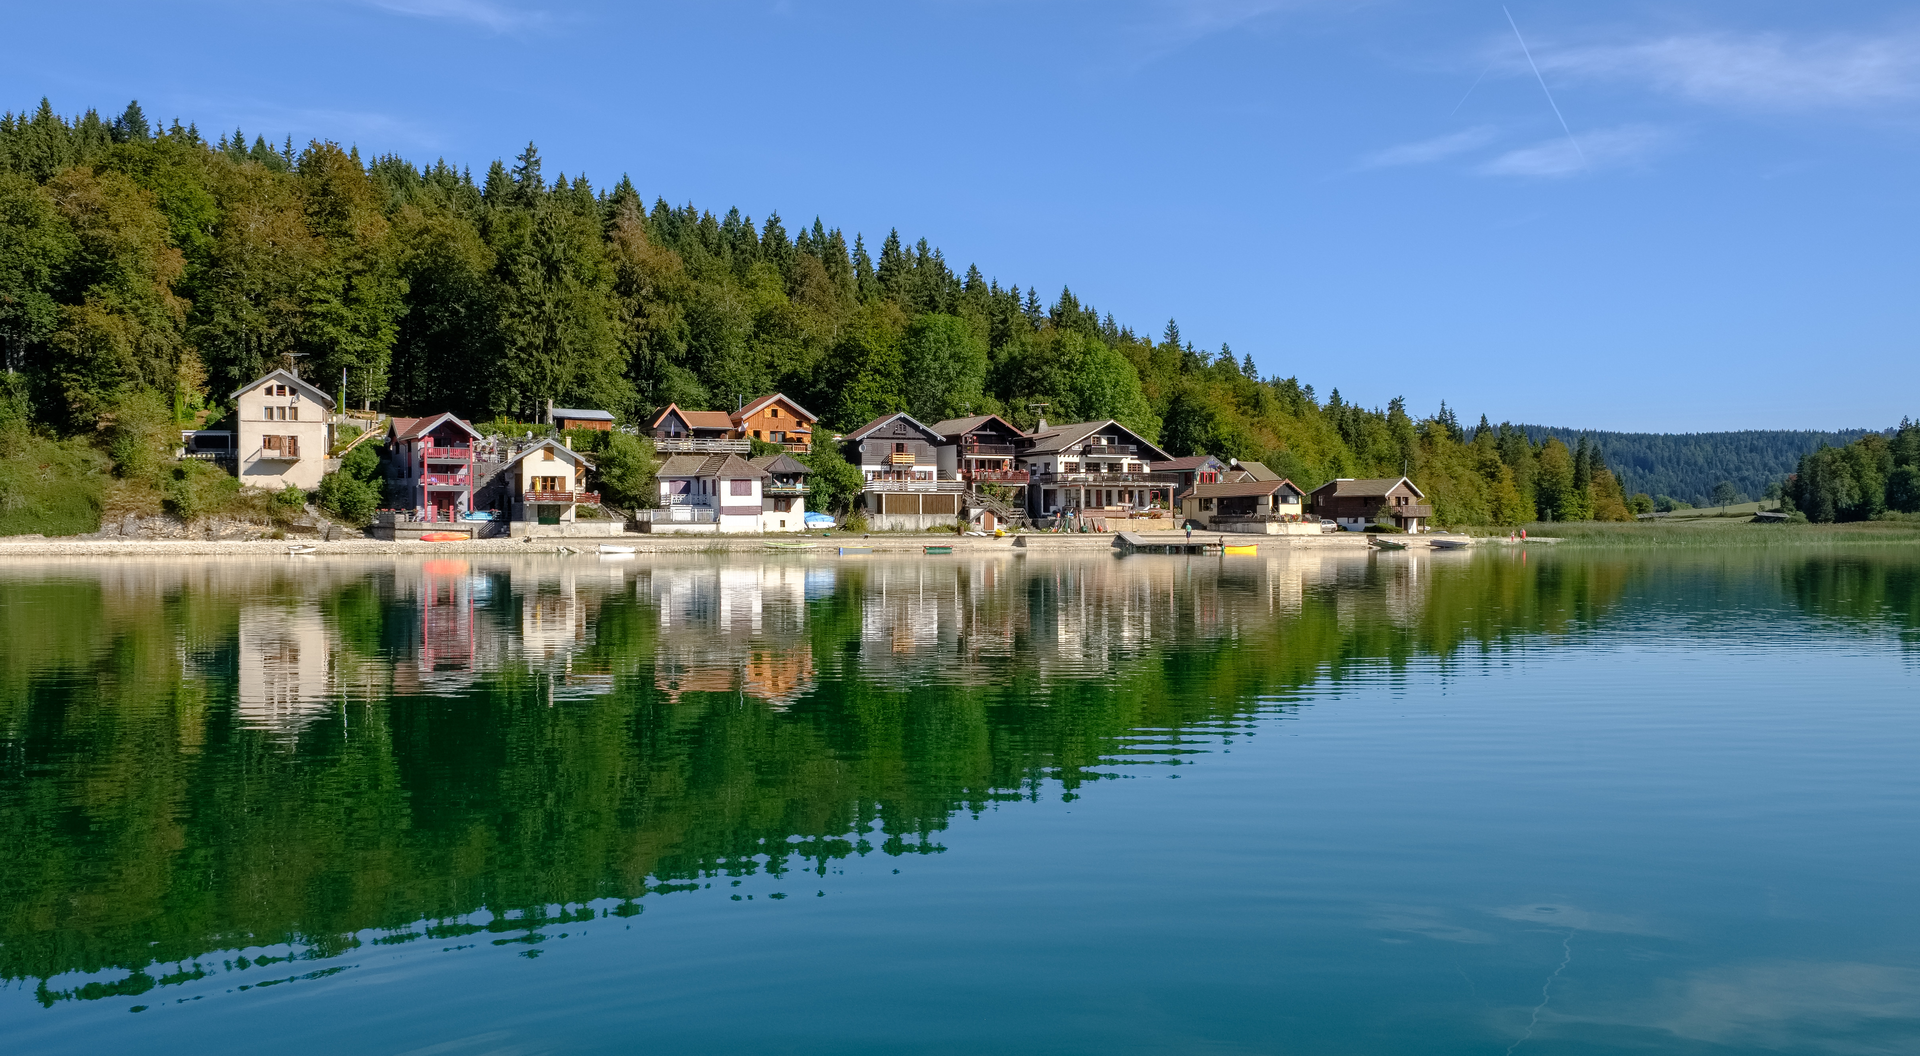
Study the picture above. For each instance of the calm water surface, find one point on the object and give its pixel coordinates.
(1373, 804)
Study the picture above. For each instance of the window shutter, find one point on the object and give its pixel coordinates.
(741, 487)
(293, 447)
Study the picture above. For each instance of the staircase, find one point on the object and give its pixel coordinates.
(982, 501)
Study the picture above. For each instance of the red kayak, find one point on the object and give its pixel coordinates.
(444, 537)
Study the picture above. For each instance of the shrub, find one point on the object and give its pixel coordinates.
(348, 498)
(855, 522)
(196, 490)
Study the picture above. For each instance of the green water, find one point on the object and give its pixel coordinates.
(1479, 803)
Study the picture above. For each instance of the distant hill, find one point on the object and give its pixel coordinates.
(1687, 466)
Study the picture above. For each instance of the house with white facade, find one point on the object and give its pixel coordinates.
(783, 493)
(711, 493)
(1094, 467)
(545, 483)
(902, 463)
(283, 432)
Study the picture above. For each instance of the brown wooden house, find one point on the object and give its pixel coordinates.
(1357, 504)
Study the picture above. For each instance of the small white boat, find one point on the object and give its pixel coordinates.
(1450, 542)
(612, 548)
(302, 548)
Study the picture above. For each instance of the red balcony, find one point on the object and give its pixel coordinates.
(448, 454)
(997, 476)
(446, 480)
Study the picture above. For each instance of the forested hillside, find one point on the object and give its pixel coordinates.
(1689, 466)
(143, 267)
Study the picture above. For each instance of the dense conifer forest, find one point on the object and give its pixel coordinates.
(146, 267)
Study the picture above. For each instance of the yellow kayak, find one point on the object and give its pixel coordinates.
(1248, 550)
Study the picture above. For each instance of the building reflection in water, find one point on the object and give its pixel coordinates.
(740, 626)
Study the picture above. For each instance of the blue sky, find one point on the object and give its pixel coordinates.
(1375, 196)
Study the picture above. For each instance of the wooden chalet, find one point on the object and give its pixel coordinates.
(1357, 504)
(776, 419)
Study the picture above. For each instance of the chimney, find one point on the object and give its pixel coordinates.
(1041, 426)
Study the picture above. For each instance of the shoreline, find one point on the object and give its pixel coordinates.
(906, 543)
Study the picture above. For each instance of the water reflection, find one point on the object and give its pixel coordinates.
(314, 754)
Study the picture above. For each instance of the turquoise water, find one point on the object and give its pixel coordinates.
(1382, 804)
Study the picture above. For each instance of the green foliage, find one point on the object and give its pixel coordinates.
(758, 448)
(1851, 483)
(194, 490)
(626, 467)
(944, 364)
(353, 492)
(48, 487)
(139, 436)
(834, 484)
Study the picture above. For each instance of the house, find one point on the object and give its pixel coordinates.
(545, 483)
(1357, 504)
(718, 492)
(1245, 502)
(983, 449)
(430, 463)
(1191, 470)
(564, 418)
(284, 432)
(681, 431)
(776, 419)
(1094, 466)
(900, 460)
(783, 493)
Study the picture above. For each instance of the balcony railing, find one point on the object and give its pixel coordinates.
(900, 458)
(915, 485)
(686, 445)
(271, 455)
(783, 489)
(446, 480)
(1109, 449)
(448, 454)
(1105, 479)
(988, 450)
(1410, 511)
(561, 496)
(997, 476)
(678, 514)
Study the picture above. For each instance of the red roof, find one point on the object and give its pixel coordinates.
(694, 419)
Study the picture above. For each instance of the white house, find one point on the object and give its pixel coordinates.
(1094, 466)
(283, 432)
(546, 483)
(784, 493)
(720, 492)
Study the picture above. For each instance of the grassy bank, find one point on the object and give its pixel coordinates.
(1723, 532)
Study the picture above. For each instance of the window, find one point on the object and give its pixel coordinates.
(756, 434)
(899, 449)
(1206, 504)
(293, 413)
(774, 412)
(741, 487)
(546, 454)
(293, 447)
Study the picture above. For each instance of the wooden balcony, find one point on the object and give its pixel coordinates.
(552, 497)
(1106, 479)
(1410, 511)
(1109, 449)
(988, 450)
(900, 458)
(997, 476)
(686, 445)
(884, 484)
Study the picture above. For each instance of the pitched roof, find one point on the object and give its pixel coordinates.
(754, 407)
(569, 452)
(581, 414)
(1376, 488)
(725, 465)
(307, 389)
(1179, 465)
(1255, 471)
(862, 432)
(957, 426)
(694, 419)
(1057, 438)
(1230, 489)
(412, 428)
(782, 463)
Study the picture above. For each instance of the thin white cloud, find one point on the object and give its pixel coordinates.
(1606, 148)
(1772, 70)
(1843, 1008)
(500, 18)
(1428, 151)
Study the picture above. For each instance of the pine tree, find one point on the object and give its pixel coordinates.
(131, 125)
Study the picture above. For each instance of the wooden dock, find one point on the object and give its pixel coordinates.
(1177, 542)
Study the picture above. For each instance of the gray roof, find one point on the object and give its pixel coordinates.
(783, 464)
(1228, 489)
(583, 415)
(1254, 471)
(312, 391)
(1056, 438)
(1376, 488)
(729, 466)
(1180, 464)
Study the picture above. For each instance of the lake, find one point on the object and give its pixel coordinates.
(1512, 802)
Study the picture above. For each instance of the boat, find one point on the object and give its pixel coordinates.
(1242, 549)
(302, 548)
(1450, 542)
(443, 537)
(938, 549)
(615, 548)
(845, 550)
(1385, 543)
